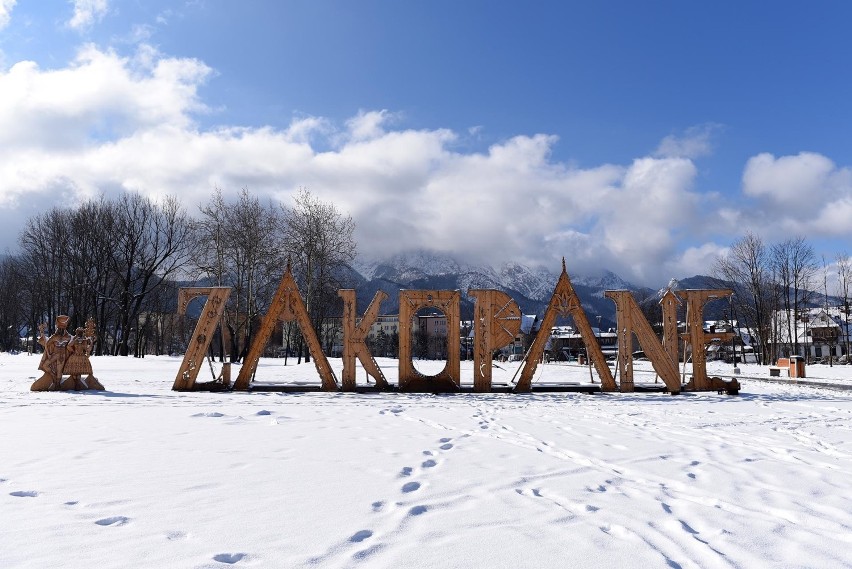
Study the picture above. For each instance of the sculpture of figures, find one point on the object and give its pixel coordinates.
(78, 362)
(65, 354)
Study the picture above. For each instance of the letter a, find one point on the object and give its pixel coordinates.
(287, 305)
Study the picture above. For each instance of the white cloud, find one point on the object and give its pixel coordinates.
(805, 194)
(6, 7)
(107, 123)
(695, 142)
(87, 12)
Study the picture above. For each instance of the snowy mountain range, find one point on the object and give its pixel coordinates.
(530, 287)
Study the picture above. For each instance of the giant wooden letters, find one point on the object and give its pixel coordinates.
(410, 301)
(211, 317)
(287, 306)
(565, 302)
(496, 322)
(354, 344)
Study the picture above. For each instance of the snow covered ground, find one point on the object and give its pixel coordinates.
(141, 476)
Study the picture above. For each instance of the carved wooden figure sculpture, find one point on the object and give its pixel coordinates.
(65, 354)
(78, 363)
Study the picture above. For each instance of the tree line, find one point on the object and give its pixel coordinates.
(784, 276)
(122, 260)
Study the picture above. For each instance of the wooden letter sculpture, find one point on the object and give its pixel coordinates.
(287, 305)
(695, 301)
(410, 301)
(496, 322)
(564, 302)
(65, 354)
(630, 320)
(353, 339)
(211, 317)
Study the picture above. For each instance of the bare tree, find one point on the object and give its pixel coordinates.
(747, 267)
(237, 245)
(13, 313)
(795, 264)
(319, 241)
(844, 281)
(150, 244)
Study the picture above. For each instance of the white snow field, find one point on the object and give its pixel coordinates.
(140, 476)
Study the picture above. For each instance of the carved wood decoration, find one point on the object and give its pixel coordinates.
(669, 303)
(211, 317)
(410, 301)
(565, 302)
(630, 321)
(67, 355)
(695, 301)
(496, 321)
(354, 336)
(287, 306)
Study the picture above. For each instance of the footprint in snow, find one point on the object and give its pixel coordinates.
(377, 506)
(445, 440)
(72, 503)
(263, 412)
(360, 536)
(410, 487)
(406, 471)
(230, 558)
(429, 463)
(417, 510)
(24, 494)
(446, 446)
(113, 521)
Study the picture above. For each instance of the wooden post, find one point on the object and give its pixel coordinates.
(669, 303)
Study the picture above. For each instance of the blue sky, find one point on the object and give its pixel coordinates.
(643, 137)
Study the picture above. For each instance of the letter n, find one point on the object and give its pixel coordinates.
(630, 321)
